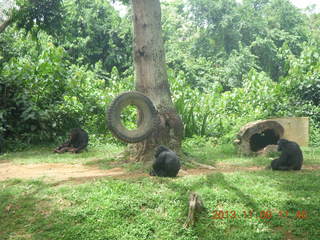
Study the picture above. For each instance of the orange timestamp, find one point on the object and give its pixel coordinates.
(264, 214)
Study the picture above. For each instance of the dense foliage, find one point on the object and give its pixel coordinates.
(61, 65)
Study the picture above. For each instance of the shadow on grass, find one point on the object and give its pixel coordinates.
(219, 193)
(295, 192)
(303, 203)
(146, 208)
(210, 181)
(21, 208)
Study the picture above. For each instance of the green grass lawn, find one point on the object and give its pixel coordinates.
(46, 155)
(255, 204)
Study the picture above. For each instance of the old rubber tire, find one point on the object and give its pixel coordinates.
(148, 118)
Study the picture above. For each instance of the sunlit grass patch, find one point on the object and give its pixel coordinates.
(255, 204)
(239, 205)
(208, 153)
(46, 155)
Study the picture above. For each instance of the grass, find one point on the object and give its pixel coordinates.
(99, 154)
(208, 153)
(156, 208)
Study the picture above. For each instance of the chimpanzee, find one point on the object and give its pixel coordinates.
(166, 164)
(291, 157)
(78, 140)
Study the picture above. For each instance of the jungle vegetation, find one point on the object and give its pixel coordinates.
(62, 63)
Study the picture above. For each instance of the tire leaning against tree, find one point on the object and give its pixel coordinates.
(148, 117)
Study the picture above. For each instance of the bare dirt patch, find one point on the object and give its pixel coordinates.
(55, 171)
(79, 173)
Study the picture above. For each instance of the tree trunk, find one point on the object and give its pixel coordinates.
(4, 25)
(151, 78)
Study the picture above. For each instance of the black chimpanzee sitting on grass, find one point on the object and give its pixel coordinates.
(78, 140)
(291, 157)
(166, 164)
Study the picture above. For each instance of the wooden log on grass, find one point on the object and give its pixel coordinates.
(195, 206)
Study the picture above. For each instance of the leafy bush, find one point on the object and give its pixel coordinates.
(43, 95)
(30, 86)
(231, 64)
(220, 114)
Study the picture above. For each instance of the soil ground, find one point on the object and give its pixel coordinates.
(80, 173)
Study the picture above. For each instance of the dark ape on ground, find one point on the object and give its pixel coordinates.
(78, 140)
(291, 157)
(166, 163)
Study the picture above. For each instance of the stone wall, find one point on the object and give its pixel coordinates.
(295, 129)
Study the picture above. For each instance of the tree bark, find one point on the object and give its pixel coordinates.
(4, 25)
(151, 78)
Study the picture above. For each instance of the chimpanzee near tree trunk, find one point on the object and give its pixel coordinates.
(152, 80)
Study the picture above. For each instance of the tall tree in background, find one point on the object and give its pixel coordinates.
(151, 77)
(46, 14)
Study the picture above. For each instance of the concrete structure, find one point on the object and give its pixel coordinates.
(295, 129)
(254, 137)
